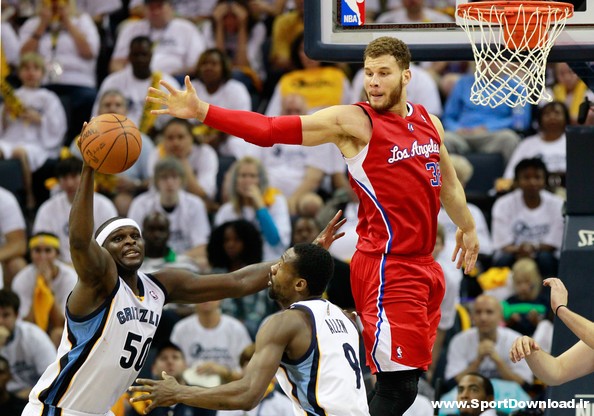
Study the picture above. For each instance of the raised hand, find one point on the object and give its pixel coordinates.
(558, 292)
(330, 233)
(178, 103)
(522, 347)
(159, 392)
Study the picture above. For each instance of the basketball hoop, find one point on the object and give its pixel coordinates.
(511, 41)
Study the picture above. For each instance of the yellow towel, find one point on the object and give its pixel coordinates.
(494, 277)
(43, 300)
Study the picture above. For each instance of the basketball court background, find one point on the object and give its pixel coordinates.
(331, 35)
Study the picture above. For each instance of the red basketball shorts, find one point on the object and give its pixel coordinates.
(398, 300)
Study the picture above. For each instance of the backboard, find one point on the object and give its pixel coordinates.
(328, 39)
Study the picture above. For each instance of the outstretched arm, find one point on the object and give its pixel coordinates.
(271, 342)
(453, 200)
(580, 326)
(97, 273)
(340, 125)
(185, 287)
(576, 362)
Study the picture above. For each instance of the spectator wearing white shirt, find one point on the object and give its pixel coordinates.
(69, 42)
(485, 347)
(199, 160)
(27, 348)
(176, 41)
(13, 237)
(133, 81)
(189, 225)
(549, 144)
(253, 200)
(213, 80)
(528, 222)
(44, 285)
(53, 214)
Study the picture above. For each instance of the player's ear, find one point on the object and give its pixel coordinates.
(301, 285)
(406, 76)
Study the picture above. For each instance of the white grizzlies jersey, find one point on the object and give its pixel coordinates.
(101, 354)
(327, 380)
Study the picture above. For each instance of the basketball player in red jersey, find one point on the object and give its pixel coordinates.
(400, 170)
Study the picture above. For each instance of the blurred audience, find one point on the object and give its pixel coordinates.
(13, 238)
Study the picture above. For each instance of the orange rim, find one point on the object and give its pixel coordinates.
(510, 8)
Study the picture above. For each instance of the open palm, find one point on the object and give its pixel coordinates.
(176, 103)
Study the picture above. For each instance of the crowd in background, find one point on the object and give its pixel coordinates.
(209, 202)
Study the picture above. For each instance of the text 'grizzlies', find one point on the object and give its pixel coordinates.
(136, 314)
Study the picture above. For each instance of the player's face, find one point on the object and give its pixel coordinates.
(126, 246)
(471, 388)
(282, 280)
(384, 82)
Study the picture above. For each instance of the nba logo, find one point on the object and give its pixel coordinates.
(352, 12)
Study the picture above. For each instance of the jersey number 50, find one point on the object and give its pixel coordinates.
(130, 346)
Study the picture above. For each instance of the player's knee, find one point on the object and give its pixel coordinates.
(401, 386)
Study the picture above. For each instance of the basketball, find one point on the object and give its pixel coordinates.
(110, 143)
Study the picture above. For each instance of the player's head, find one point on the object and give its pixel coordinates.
(303, 272)
(387, 73)
(122, 238)
(474, 386)
(387, 45)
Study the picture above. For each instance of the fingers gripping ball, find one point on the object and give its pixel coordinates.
(110, 143)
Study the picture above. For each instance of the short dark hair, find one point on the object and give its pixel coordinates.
(68, 166)
(247, 233)
(534, 163)
(168, 345)
(314, 264)
(9, 299)
(140, 40)
(553, 104)
(487, 385)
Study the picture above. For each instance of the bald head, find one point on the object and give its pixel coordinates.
(487, 314)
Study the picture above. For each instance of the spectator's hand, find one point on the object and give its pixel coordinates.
(159, 392)
(558, 292)
(64, 14)
(45, 16)
(522, 347)
(239, 12)
(220, 11)
(211, 367)
(486, 348)
(177, 103)
(533, 317)
(45, 268)
(4, 335)
(330, 233)
(525, 250)
(30, 115)
(466, 250)
(255, 195)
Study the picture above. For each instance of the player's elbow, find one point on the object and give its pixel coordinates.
(248, 400)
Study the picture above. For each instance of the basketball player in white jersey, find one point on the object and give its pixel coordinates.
(113, 311)
(312, 347)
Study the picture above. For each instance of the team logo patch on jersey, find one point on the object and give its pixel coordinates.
(398, 352)
(153, 295)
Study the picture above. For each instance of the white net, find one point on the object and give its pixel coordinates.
(510, 47)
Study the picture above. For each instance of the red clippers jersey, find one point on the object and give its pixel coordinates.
(397, 179)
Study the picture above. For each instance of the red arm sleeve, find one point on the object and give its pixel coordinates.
(254, 127)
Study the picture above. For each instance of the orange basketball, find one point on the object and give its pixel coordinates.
(110, 143)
